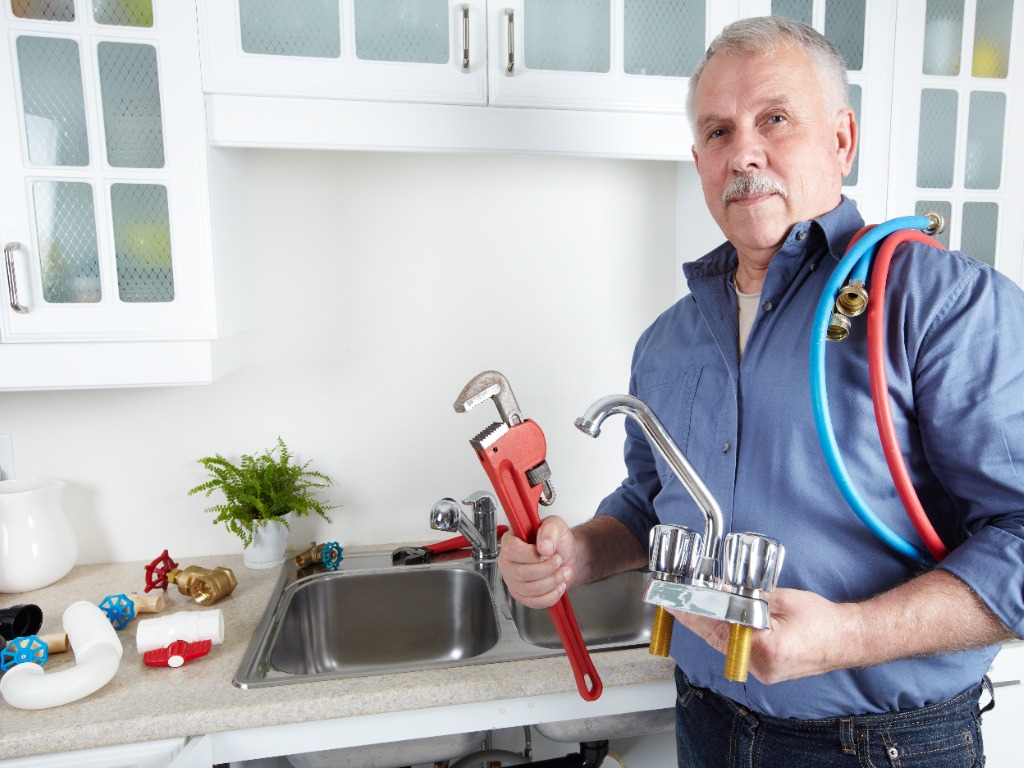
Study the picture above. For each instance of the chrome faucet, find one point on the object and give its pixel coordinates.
(481, 531)
(708, 552)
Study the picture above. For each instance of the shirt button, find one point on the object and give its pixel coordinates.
(767, 306)
(725, 448)
(801, 234)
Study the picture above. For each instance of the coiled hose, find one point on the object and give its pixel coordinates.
(857, 262)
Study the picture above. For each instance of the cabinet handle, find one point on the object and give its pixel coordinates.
(465, 37)
(511, 41)
(12, 282)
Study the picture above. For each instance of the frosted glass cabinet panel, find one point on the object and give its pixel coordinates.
(953, 153)
(431, 51)
(101, 231)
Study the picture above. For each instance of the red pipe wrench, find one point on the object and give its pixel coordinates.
(512, 453)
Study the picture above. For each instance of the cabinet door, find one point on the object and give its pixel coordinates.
(958, 94)
(102, 169)
(431, 51)
(634, 55)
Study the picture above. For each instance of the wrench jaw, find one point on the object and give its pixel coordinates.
(493, 385)
(489, 436)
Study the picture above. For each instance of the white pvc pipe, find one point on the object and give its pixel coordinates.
(97, 657)
(189, 626)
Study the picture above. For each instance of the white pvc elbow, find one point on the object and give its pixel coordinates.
(97, 656)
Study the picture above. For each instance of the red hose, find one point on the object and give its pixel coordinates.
(880, 389)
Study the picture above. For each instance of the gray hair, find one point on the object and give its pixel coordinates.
(769, 34)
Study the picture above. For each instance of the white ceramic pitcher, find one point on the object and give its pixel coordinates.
(37, 544)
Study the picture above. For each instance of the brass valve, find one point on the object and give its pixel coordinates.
(328, 555)
(204, 585)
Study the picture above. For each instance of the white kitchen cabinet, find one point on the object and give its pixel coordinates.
(1000, 727)
(155, 754)
(105, 203)
(578, 54)
(958, 94)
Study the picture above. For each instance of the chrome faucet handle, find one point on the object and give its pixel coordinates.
(673, 551)
(481, 502)
(445, 515)
(751, 562)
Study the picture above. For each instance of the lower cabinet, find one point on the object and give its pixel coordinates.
(153, 754)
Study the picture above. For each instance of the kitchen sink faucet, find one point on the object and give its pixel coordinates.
(481, 531)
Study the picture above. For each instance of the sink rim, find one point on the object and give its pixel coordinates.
(256, 671)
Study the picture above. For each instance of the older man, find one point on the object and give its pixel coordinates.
(872, 657)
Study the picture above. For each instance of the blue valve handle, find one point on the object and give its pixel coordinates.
(22, 650)
(120, 609)
(330, 555)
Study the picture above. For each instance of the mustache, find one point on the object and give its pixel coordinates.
(755, 183)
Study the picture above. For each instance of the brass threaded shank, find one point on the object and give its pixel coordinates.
(737, 660)
(661, 632)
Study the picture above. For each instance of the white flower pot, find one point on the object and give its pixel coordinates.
(268, 545)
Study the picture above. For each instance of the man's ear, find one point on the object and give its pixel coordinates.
(846, 140)
(696, 160)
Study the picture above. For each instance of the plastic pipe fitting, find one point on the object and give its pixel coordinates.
(97, 657)
(20, 620)
(190, 626)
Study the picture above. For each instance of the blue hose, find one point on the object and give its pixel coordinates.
(857, 257)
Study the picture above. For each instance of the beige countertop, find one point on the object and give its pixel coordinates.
(145, 704)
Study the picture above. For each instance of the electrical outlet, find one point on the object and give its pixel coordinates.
(6, 456)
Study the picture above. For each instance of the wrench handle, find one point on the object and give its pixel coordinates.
(506, 462)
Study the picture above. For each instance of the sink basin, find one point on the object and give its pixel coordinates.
(371, 617)
(608, 612)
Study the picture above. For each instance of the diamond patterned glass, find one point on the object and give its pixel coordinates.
(936, 139)
(142, 242)
(410, 30)
(663, 37)
(940, 206)
(123, 13)
(985, 119)
(44, 10)
(979, 230)
(844, 26)
(310, 28)
(798, 10)
(567, 35)
(131, 105)
(54, 107)
(66, 237)
(943, 35)
(992, 28)
(855, 103)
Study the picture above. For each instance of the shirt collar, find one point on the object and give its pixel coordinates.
(836, 228)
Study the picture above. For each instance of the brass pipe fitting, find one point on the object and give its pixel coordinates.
(661, 632)
(938, 225)
(311, 556)
(737, 659)
(853, 299)
(205, 586)
(838, 327)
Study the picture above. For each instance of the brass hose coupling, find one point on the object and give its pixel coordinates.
(204, 585)
(853, 299)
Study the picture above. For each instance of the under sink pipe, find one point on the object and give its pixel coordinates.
(97, 657)
(591, 755)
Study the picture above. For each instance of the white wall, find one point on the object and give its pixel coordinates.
(383, 284)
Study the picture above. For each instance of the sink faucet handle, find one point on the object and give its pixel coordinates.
(674, 550)
(481, 502)
(752, 562)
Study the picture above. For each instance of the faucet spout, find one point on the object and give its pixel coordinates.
(707, 567)
(481, 532)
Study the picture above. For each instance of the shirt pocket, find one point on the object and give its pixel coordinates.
(670, 395)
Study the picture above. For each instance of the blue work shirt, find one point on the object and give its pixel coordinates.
(954, 331)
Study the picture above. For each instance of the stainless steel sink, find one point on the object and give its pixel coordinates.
(370, 617)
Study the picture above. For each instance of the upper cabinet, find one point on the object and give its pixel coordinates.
(594, 77)
(958, 92)
(104, 196)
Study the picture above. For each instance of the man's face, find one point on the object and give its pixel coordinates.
(765, 141)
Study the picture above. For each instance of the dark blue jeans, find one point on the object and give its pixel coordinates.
(715, 732)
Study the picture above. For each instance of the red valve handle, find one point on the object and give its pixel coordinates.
(156, 572)
(176, 654)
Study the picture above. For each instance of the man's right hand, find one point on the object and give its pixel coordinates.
(537, 575)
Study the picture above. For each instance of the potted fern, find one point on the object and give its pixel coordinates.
(261, 494)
